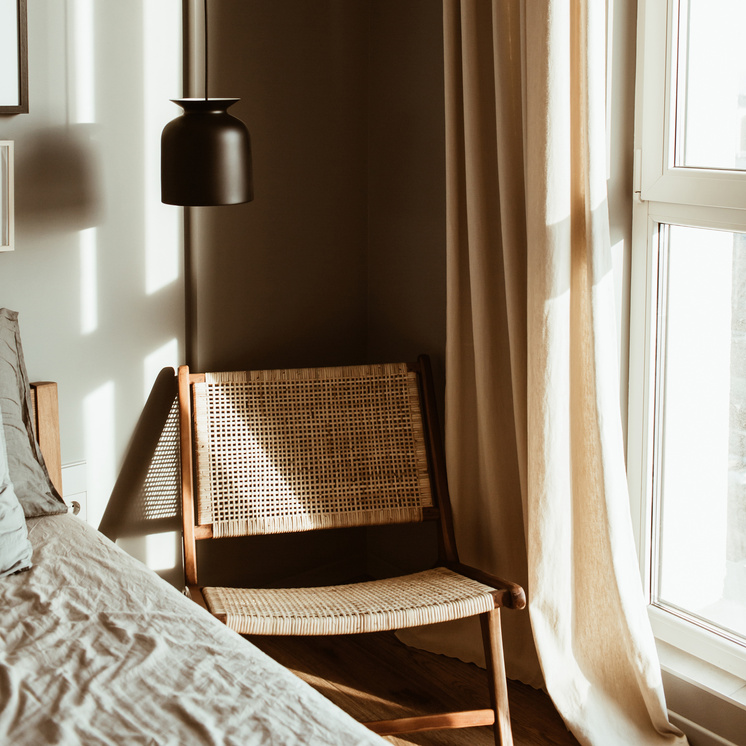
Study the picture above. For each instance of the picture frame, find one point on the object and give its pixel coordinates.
(13, 57)
(7, 225)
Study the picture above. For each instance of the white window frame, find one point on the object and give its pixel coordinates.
(665, 194)
(656, 180)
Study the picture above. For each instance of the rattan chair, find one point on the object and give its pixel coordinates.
(282, 451)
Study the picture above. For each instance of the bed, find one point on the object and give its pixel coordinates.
(97, 649)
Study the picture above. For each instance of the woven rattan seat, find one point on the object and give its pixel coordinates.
(286, 451)
(428, 597)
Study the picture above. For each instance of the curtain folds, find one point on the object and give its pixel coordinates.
(533, 428)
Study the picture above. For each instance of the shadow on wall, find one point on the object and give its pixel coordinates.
(144, 512)
(62, 177)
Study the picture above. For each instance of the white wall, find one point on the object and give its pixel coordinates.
(96, 274)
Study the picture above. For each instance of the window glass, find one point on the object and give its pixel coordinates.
(700, 432)
(711, 85)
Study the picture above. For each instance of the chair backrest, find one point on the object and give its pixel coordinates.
(279, 451)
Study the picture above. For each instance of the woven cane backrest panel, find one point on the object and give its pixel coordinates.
(295, 450)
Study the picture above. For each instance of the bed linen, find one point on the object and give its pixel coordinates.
(28, 472)
(15, 548)
(97, 649)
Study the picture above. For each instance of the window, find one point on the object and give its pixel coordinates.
(687, 427)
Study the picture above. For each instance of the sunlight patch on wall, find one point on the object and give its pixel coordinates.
(82, 82)
(99, 420)
(88, 281)
(162, 73)
(161, 550)
(83, 77)
(166, 356)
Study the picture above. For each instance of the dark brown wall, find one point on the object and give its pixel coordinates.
(282, 280)
(406, 181)
(341, 256)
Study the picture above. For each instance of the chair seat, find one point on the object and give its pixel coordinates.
(427, 597)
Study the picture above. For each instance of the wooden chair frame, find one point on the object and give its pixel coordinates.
(505, 594)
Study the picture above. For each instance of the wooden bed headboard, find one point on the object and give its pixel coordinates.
(47, 425)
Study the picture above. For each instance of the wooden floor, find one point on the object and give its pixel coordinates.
(366, 675)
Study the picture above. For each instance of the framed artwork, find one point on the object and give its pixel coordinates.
(13, 57)
(6, 195)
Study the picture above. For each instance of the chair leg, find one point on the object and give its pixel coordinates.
(498, 684)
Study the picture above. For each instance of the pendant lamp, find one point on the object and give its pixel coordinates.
(206, 153)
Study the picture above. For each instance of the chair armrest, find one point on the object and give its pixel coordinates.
(513, 596)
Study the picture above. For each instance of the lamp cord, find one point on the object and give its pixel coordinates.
(205, 14)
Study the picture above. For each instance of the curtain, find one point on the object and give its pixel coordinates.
(533, 428)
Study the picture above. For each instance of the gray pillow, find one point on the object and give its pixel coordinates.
(15, 548)
(29, 475)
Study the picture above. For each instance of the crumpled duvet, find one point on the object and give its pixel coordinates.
(97, 649)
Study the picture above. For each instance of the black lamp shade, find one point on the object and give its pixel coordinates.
(206, 155)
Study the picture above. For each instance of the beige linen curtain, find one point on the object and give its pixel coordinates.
(533, 427)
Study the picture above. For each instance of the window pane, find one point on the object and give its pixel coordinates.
(701, 427)
(711, 85)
